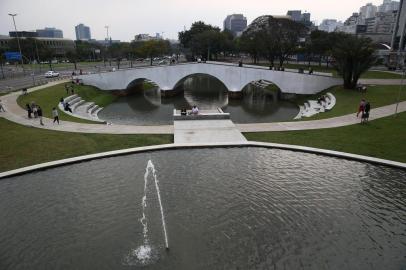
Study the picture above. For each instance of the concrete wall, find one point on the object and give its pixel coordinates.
(234, 78)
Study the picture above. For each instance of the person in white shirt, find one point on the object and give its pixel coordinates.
(195, 110)
(55, 115)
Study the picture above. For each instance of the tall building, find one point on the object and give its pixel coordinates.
(388, 5)
(82, 32)
(236, 23)
(368, 11)
(298, 16)
(399, 33)
(50, 32)
(329, 25)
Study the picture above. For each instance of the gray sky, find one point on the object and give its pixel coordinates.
(129, 17)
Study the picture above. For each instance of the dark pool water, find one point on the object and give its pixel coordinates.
(235, 208)
(148, 108)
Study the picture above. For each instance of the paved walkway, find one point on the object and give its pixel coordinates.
(382, 81)
(16, 114)
(207, 131)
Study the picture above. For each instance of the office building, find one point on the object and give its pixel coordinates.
(50, 32)
(82, 32)
(21, 34)
(236, 23)
(298, 16)
(388, 6)
(329, 25)
(368, 11)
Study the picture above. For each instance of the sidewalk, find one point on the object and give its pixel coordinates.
(16, 114)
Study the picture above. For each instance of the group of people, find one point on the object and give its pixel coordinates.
(364, 109)
(34, 110)
(195, 111)
(321, 99)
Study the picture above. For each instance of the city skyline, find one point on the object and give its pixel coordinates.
(157, 16)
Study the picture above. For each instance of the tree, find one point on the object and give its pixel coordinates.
(353, 56)
(153, 48)
(273, 38)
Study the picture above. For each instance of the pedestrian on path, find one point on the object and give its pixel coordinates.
(39, 112)
(361, 107)
(1, 107)
(29, 111)
(365, 113)
(55, 115)
(34, 110)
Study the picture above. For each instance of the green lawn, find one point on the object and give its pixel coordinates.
(348, 100)
(23, 146)
(382, 138)
(370, 74)
(49, 97)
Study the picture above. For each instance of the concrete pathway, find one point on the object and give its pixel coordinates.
(16, 114)
(206, 131)
(340, 121)
(382, 81)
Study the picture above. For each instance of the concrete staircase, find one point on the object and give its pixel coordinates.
(82, 109)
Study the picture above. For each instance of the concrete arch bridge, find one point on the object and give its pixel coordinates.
(235, 78)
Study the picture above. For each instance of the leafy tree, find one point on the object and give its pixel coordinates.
(153, 48)
(274, 38)
(353, 56)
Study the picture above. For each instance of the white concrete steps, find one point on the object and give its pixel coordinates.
(82, 109)
(312, 107)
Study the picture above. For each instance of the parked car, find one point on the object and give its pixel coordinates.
(51, 74)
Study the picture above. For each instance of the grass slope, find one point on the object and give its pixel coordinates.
(49, 97)
(23, 146)
(382, 138)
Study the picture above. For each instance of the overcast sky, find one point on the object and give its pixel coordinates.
(129, 17)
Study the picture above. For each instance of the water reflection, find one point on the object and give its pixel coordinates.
(148, 108)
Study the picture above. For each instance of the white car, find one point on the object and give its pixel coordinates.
(51, 74)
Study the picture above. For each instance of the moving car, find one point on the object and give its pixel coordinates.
(51, 74)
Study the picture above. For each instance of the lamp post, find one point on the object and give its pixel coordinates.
(18, 39)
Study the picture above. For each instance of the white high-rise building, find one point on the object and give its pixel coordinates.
(329, 25)
(368, 11)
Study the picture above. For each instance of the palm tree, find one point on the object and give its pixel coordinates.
(353, 56)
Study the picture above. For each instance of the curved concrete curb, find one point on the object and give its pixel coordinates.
(128, 151)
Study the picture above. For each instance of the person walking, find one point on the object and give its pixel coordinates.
(1, 106)
(34, 110)
(29, 111)
(361, 107)
(39, 112)
(365, 114)
(55, 115)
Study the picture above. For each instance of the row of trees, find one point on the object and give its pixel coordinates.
(277, 39)
(33, 49)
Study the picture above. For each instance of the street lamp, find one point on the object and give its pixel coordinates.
(18, 39)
